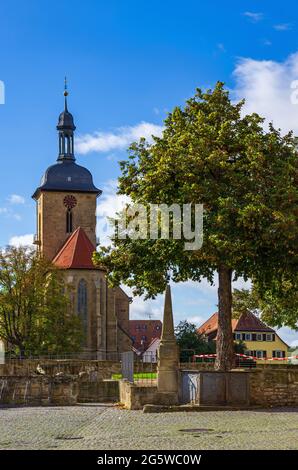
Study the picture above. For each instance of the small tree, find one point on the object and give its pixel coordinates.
(246, 179)
(190, 342)
(34, 308)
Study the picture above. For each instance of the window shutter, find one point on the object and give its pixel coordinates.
(273, 337)
(283, 353)
(264, 353)
(273, 353)
(243, 336)
(264, 337)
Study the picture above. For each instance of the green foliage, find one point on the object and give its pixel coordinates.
(190, 342)
(245, 300)
(246, 178)
(34, 308)
(277, 306)
(239, 347)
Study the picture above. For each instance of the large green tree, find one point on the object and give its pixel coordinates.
(35, 316)
(246, 178)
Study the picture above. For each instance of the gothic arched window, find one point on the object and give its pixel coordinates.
(82, 305)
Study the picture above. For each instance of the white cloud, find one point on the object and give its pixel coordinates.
(120, 139)
(254, 17)
(16, 199)
(282, 27)
(205, 287)
(145, 309)
(21, 240)
(266, 87)
(108, 204)
(288, 335)
(196, 319)
(3, 210)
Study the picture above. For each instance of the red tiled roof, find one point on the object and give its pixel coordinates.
(150, 329)
(76, 252)
(247, 322)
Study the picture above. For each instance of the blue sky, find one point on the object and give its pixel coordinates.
(128, 63)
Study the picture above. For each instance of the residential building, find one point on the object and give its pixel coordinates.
(142, 332)
(260, 340)
(151, 353)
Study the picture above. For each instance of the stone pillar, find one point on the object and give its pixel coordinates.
(167, 369)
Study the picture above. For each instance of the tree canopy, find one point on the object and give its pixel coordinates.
(246, 179)
(277, 306)
(190, 342)
(34, 306)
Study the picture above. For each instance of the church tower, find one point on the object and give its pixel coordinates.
(66, 235)
(66, 198)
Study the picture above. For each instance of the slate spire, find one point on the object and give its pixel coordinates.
(66, 130)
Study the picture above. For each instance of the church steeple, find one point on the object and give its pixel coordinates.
(66, 130)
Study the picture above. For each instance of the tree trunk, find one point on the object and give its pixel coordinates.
(224, 345)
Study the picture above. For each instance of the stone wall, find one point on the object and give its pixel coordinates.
(52, 217)
(135, 397)
(38, 390)
(103, 369)
(196, 365)
(275, 386)
(92, 390)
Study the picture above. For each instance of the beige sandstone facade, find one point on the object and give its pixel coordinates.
(51, 224)
(66, 234)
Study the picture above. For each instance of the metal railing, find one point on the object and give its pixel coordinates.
(89, 356)
(137, 370)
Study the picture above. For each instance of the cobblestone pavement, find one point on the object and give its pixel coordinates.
(104, 427)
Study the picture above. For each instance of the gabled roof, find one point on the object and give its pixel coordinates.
(76, 253)
(155, 341)
(247, 322)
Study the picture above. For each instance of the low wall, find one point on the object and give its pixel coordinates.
(25, 367)
(274, 386)
(196, 365)
(61, 390)
(100, 391)
(38, 390)
(135, 397)
(51, 367)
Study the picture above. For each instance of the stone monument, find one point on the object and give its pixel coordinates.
(167, 369)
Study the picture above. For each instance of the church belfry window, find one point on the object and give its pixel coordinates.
(82, 305)
(70, 202)
(69, 221)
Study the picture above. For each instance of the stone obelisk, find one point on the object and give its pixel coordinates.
(167, 370)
